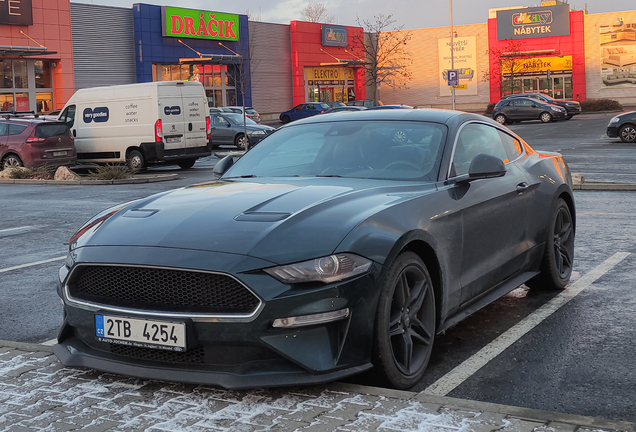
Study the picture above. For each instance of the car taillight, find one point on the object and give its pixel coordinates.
(35, 140)
(207, 127)
(158, 131)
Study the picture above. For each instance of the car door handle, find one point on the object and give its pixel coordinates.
(522, 187)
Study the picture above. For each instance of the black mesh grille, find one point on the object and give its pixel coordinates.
(194, 356)
(162, 290)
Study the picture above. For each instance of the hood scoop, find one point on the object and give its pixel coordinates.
(262, 216)
(139, 213)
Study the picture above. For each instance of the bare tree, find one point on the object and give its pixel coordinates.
(511, 61)
(317, 12)
(387, 58)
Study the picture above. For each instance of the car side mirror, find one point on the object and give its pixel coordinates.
(485, 166)
(533, 106)
(223, 165)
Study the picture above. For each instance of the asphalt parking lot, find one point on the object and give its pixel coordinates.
(570, 352)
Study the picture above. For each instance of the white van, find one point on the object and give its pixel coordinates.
(140, 124)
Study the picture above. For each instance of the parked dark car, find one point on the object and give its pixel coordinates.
(571, 107)
(623, 126)
(335, 104)
(364, 103)
(34, 142)
(344, 108)
(303, 110)
(518, 109)
(379, 107)
(325, 251)
(228, 128)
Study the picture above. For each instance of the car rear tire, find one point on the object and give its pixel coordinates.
(545, 117)
(405, 323)
(501, 119)
(627, 133)
(136, 161)
(188, 163)
(556, 266)
(11, 161)
(285, 119)
(241, 142)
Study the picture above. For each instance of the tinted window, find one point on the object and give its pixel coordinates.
(512, 145)
(251, 111)
(324, 106)
(68, 116)
(3, 128)
(473, 139)
(16, 129)
(51, 130)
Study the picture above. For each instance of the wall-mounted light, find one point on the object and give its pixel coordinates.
(53, 64)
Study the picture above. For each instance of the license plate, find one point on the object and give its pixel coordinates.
(173, 140)
(60, 153)
(141, 332)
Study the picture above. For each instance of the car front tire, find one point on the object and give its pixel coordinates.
(627, 133)
(241, 142)
(545, 117)
(405, 323)
(285, 119)
(558, 257)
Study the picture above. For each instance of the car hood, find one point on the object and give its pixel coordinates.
(279, 221)
(257, 127)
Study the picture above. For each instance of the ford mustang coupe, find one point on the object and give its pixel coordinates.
(339, 244)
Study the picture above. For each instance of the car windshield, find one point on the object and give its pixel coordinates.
(237, 119)
(404, 150)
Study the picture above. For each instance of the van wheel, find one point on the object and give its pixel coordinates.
(241, 141)
(136, 161)
(188, 163)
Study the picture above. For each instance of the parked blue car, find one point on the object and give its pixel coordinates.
(303, 110)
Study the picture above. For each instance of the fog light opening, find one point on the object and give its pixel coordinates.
(305, 320)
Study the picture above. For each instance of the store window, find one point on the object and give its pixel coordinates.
(44, 102)
(20, 75)
(6, 74)
(42, 69)
(6, 102)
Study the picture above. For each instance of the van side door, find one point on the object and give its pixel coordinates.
(195, 109)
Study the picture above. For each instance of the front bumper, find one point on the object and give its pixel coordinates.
(612, 131)
(233, 353)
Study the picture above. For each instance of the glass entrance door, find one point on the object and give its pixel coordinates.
(559, 87)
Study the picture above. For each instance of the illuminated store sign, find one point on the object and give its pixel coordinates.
(334, 35)
(197, 24)
(16, 12)
(533, 22)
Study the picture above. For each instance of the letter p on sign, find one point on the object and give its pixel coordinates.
(453, 77)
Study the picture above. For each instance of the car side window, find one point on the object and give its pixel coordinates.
(310, 107)
(16, 129)
(299, 107)
(473, 139)
(512, 145)
(3, 129)
(220, 121)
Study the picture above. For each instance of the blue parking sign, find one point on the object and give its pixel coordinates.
(453, 77)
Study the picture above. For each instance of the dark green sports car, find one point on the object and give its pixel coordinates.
(338, 244)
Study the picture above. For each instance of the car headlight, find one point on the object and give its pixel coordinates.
(258, 132)
(327, 269)
(614, 120)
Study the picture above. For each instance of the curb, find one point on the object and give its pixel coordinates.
(552, 418)
(134, 180)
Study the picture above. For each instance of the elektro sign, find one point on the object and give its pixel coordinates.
(533, 22)
(16, 12)
(334, 35)
(197, 24)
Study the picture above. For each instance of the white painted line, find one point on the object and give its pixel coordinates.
(49, 342)
(31, 264)
(470, 366)
(15, 229)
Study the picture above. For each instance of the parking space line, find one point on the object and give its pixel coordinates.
(15, 229)
(8, 269)
(470, 366)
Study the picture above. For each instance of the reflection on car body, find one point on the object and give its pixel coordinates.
(341, 243)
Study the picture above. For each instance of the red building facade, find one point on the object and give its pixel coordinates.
(553, 64)
(327, 62)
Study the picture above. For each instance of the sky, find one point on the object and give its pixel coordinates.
(412, 14)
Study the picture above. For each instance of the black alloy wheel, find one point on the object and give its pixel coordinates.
(545, 117)
(405, 323)
(558, 258)
(627, 133)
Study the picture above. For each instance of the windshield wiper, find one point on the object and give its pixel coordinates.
(242, 176)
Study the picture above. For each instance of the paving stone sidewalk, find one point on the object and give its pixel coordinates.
(38, 394)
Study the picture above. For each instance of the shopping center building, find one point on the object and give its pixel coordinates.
(50, 48)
